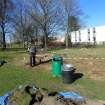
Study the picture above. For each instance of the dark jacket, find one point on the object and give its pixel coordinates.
(32, 50)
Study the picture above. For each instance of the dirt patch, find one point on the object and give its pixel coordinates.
(93, 69)
(95, 102)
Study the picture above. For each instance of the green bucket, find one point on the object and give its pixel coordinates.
(56, 65)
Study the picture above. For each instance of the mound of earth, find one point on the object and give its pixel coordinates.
(29, 95)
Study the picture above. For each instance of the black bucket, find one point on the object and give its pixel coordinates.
(67, 73)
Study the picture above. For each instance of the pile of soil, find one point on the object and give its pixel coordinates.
(28, 96)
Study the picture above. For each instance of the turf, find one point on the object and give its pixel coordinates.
(14, 73)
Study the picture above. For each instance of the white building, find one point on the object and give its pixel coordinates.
(88, 35)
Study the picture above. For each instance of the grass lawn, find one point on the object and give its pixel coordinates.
(91, 85)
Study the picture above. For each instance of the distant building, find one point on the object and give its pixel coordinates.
(89, 35)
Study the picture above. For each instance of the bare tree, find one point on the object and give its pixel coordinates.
(45, 13)
(22, 24)
(71, 9)
(6, 7)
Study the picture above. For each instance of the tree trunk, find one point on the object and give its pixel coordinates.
(23, 41)
(70, 43)
(36, 37)
(66, 39)
(45, 40)
(67, 33)
(45, 33)
(4, 42)
(27, 42)
(3, 33)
